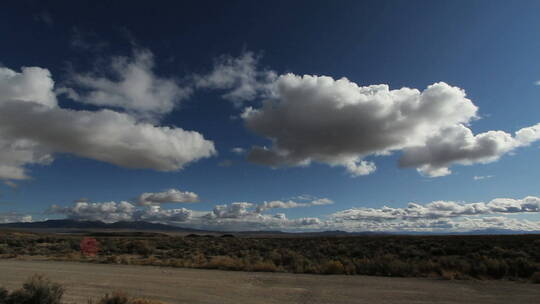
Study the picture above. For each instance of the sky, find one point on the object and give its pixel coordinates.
(272, 115)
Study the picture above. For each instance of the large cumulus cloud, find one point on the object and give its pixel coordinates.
(33, 128)
(337, 122)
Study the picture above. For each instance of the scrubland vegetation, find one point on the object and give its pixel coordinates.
(40, 290)
(513, 257)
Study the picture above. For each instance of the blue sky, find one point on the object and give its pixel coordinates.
(489, 49)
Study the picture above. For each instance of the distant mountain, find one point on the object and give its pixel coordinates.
(73, 224)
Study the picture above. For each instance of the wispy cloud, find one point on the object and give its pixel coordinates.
(238, 150)
(481, 177)
(240, 77)
(134, 88)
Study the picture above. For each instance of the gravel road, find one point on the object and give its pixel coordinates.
(175, 285)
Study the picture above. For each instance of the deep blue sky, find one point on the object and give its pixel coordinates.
(488, 48)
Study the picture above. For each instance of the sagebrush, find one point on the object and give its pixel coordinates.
(451, 257)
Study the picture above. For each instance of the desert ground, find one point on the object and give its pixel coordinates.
(176, 285)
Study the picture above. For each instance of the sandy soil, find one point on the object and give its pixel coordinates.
(173, 285)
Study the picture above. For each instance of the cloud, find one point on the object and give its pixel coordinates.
(33, 128)
(307, 221)
(496, 222)
(248, 216)
(441, 216)
(481, 177)
(134, 87)
(291, 204)
(240, 77)
(107, 212)
(441, 209)
(15, 154)
(157, 214)
(304, 197)
(110, 212)
(336, 122)
(243, 209)
(104, 135)
(464, 224)
(238, 150)
(458, 145)
(12, 217)
(233, 216)
(86, 40)
(32, 84)
(169, 196)
(537, 83)
(234, 210)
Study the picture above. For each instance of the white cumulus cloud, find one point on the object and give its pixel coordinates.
(233, 216)
(33, 128)
(439, 216)
(12, 217)
(32, 84)
(441, 209)
(169, 196)
(291, 204)
(339, 123)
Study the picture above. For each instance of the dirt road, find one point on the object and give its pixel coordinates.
(174, 285)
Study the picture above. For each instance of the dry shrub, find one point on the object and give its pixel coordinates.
(122, 298)
(535, 278)
(264, 266)
(225, 263)
(3, 295)
(333, 267)
(115, 298)
(36, 290)
(112, 259)
(448, 275)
